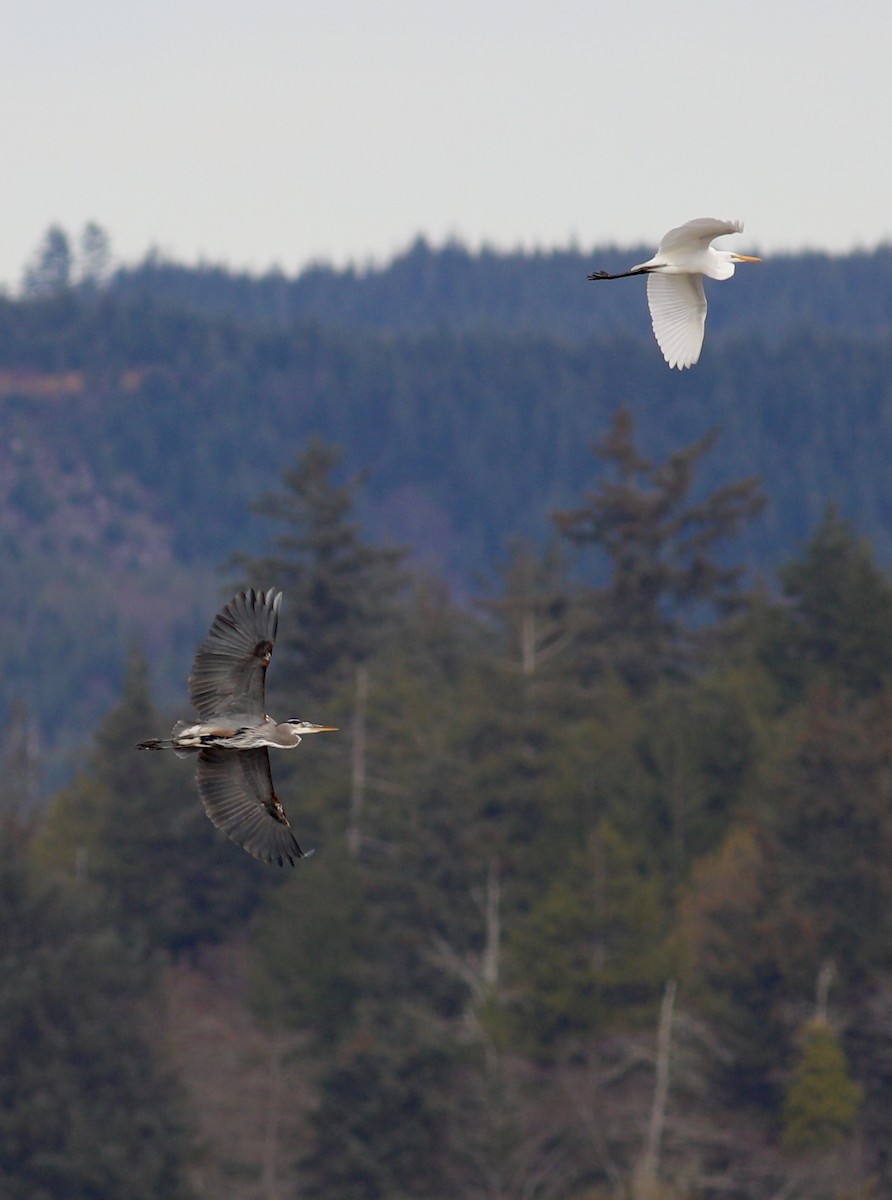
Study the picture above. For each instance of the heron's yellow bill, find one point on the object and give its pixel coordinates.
(746, 258)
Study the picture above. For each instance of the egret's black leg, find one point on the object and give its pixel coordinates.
(621, 275)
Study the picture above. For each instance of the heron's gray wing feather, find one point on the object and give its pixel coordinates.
(236, 789)
(229, 673)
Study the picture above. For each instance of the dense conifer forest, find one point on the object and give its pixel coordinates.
(599, 900)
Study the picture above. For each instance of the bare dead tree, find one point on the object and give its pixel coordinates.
(645, 1182)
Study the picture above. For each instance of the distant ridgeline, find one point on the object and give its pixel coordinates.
(545, 292)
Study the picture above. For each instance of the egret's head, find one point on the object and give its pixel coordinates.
(723, 263)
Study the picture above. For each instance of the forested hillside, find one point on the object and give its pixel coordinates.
(138, 435)
(600, 900)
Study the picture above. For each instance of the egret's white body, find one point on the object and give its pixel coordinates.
(675, 292)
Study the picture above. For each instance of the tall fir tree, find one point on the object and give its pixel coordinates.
(88, 1107)
(133, 823)
(835, 622)
(593, 944)
(822, 1100)
(665, 577)
(341, 590)
(381, 1125)
(50, 271)
(831, 830)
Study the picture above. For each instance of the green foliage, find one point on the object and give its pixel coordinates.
(837, 623)
(307, 946)
(379, 1128)
(699, 745)
(87, 1106)
(343, 590)
(868, 1049)
(593, 946)
(822, 1101)
(832, 827)
(132, 823)
(660, 545)
(746, 949)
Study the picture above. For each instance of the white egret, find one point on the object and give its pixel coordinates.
(675, 294)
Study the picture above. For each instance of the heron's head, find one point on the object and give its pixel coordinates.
(303, 727)
(289, 733)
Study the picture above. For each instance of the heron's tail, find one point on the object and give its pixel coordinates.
(171, 743)
(168, 744)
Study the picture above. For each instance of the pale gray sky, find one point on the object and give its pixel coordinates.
(276, 132)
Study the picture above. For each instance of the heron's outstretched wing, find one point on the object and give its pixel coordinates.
(229, 671)
(696, 234)
(677, 306)
(236, 788)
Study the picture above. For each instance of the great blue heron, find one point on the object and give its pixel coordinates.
(675, 294)
(227, 688)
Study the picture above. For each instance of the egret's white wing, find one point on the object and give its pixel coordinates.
(229, 672)
(696, 234)
(236, 788)
(677, 306)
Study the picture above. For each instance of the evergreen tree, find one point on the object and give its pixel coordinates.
(531, 613)
(593, 945)
(19, 764)
(836, 620)
(308, 953)
(95, 256)
(747, 948)
(511, 707)
(831, 830)
(51, 270)
(700, 746)
(88, 1108)
(381, 1126)
(342, 592)
(868, 1047)
(665, 577)
(822, 1100)
(133, 823)
(527, 734)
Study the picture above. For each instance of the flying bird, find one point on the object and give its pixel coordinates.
(675, 292)
(227, 688)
